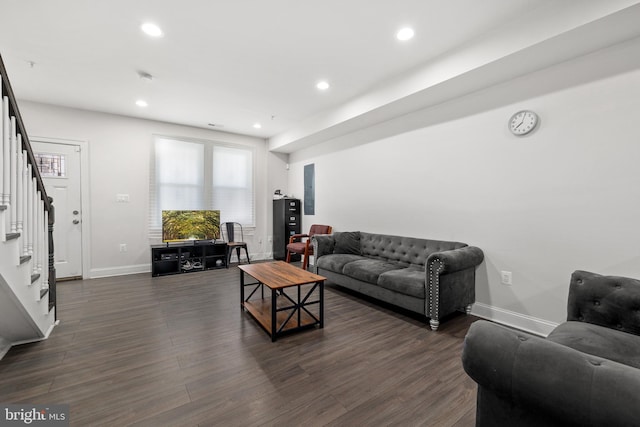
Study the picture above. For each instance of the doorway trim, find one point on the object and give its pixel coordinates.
(84, 196)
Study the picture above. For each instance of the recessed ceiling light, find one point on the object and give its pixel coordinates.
(323, 85)
(151, 29)
(257, 125)
(405, 34)
(142, 103)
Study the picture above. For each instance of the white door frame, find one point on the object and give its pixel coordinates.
(84, 196)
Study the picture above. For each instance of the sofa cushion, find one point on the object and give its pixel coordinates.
(347, 242)
(368, 269)
(605, 301)
(336, 262)
(404, 250)
(408, 281)
(599, 341)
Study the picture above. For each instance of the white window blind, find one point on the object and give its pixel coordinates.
(188, 174)
(179, 174)
(232, 183)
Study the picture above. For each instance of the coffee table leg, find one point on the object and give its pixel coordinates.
(322, 304)
(274, 299)
(298, 308)
(242, 290)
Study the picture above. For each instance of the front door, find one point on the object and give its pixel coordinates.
(59, 165)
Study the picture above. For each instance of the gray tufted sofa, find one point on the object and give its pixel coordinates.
(430, 277)
(585, 373)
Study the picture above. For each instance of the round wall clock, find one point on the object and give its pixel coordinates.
(523, 122)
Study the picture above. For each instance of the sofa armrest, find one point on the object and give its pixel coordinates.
(323, 244)
(542, 379)
(450, 282)
(455, 259)
(609, 301)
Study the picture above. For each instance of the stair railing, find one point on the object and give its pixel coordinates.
(29, 211)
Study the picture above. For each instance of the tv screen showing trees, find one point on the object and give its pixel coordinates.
(190, 225)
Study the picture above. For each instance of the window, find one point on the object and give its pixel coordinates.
(51, 165)
(187, 174)
(232, 184)
(179, 175)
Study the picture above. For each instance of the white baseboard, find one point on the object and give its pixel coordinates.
(253, 256)
(5, 346)
(96, 273)
(56, 323)
(520, 321)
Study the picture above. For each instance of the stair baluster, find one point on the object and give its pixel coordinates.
(13, 177)
(6, 158)
(26, 211)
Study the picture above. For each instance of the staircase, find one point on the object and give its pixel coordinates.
(27, 274)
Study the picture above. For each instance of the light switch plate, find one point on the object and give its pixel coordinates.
(506, 278)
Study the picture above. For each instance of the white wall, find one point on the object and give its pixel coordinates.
(565, 197)
(119, 154)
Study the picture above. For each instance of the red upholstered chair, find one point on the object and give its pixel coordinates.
(301, 243)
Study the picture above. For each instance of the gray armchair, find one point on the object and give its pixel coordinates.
(585, 373)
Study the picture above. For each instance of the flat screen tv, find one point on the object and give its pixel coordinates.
(179, 226)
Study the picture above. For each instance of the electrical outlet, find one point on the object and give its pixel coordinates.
(123, 247)
(506, 278)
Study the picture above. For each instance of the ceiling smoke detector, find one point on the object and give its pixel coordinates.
(145, 76)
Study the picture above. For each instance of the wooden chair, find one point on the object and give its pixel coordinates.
(228, 234)
(301, 243)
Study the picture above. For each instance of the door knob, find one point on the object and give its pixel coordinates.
(76, 221)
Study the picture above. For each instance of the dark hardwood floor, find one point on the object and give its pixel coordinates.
(178, 351)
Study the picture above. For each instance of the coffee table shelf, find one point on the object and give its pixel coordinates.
(277, 311)
(261, 311)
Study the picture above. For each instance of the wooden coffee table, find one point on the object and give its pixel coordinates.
(281, 313)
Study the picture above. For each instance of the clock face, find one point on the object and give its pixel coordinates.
(523, 122)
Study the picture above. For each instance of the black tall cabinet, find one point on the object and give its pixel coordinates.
(286, 222)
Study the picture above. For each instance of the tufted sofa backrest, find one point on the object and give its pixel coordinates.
(405, 250)
(611, 301)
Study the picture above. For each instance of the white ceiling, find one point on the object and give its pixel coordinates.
(235, 63)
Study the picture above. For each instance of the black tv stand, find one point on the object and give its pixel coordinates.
(187, 257)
